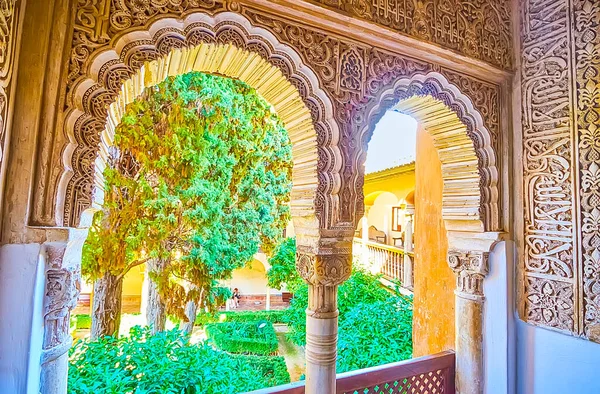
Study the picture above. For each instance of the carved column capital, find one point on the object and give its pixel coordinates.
(470, 268)
(324, 269)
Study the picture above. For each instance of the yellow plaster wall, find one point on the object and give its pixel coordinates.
(251, 279)
(132, 282)
(434, 283)
(398, 184)
(382, 192)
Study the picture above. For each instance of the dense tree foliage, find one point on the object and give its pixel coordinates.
(283, 267)
(206, 183)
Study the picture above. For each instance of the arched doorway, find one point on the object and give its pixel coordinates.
(226, 45)
(469, 198)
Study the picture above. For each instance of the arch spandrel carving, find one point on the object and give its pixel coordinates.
(481, 31)
(464, 143)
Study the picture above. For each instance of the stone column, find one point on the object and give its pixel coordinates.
(470, 268)
(323, 273)
(268, 300)
(407, 280)
(60, 297)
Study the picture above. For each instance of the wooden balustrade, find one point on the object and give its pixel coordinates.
(426, 375)
(388, 259)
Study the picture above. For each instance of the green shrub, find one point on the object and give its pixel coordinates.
(283, 267)
(361, 288)
(80, 322)
(375, 323)
(273, 367)
(246, 316)
(375, 334)
(256, 338)
(165, 363)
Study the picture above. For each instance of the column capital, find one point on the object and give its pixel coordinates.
(324, 269)
(470, 268)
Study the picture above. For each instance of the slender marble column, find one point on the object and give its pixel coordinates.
(321, 339)
(323, 273)
(470, 268)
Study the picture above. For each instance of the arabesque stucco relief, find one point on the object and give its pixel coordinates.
(560, 286)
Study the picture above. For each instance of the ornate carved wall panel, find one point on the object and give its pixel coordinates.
(561, 121)
(353, 76)
(9, 18)
(480, 29)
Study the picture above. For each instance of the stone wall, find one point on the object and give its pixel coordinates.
(434, 283)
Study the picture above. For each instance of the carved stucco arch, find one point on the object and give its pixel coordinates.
(225, 44)
(464, 144)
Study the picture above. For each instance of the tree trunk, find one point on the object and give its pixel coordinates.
(191, 309)
(106, 309)
(156, 316)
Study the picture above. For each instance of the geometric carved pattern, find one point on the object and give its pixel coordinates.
(425, 383)
(352, 76)
(561, 115)
(428, 375)
(479, 29)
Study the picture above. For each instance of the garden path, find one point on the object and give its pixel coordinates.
(293, 354)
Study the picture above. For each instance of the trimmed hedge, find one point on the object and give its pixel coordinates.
(244, 337)
(79, 322)
(272, 368)
(239, 317)
(166, 363)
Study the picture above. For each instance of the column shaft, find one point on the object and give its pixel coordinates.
(321, 339)
(469, 345)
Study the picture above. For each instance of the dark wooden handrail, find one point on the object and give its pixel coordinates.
(440, 366)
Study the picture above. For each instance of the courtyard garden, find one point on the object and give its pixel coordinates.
(199, 182)
(244, 351)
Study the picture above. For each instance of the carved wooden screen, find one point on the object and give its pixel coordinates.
(561, 153)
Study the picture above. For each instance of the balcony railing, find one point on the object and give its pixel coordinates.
(425, 375)
(387, 260)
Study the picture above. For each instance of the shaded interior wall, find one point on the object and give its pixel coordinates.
(433, 322)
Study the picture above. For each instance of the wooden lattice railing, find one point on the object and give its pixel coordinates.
(425, 375)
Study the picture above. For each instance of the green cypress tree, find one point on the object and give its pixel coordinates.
(207, 185)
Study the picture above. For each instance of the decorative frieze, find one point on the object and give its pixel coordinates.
(561, 158)
(479, 29)
(587, 71)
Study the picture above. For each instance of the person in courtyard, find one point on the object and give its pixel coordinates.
(236, 298)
